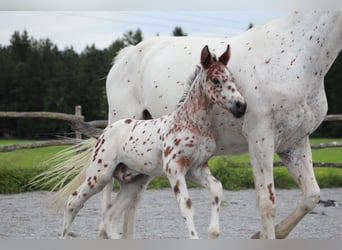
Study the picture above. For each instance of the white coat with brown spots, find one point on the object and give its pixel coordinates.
(173, 146)
(279, 67)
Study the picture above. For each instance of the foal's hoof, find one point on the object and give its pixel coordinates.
(69, 234)
(213, 233)
(102, 235)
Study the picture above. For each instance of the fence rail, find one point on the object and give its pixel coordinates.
(91, 129)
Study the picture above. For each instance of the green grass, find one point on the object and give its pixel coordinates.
(18, 167)
(318, 155)
(233, 175)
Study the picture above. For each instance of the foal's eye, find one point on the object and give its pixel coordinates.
(216, 81)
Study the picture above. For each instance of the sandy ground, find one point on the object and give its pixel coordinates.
(26, 216)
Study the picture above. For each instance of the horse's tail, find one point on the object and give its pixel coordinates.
(71, 167)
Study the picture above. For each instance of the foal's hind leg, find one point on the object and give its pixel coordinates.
(298, 160)
(93, 184)
(129, 193)
(129, 218)
(105, 205)
(203, 177)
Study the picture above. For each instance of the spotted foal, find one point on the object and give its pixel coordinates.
(176, 146)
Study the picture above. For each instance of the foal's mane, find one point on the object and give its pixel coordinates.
(190, 81)
(188, 85)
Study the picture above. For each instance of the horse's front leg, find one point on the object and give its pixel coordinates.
(298, 160)
(261, 149)
(204, 177)
(177, 181)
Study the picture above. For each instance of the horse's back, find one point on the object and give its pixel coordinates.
(273, 64)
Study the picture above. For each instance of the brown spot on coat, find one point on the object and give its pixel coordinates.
(271, 197)
(176, 188)
(176, 141)
(189, 203)
(128, 121)
(167, 151)
(183, 162)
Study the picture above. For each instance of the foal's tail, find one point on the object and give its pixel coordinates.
(70, 168)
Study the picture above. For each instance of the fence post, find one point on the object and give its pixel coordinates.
(78, 113)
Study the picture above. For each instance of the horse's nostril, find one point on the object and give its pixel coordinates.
(238, 105)
(241, 107)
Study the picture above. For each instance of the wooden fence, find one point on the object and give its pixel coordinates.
(91, 129)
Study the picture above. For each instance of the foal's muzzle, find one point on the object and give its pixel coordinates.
(239, 109)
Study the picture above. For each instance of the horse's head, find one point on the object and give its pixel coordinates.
(219, 83)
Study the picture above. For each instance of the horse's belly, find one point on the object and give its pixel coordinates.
(149, 163)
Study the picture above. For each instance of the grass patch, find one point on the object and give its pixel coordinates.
(18, 167)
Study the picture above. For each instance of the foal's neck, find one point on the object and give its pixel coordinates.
(196, 108)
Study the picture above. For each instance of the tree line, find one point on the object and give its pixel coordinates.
(35, 75)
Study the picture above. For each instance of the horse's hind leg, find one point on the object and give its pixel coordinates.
(298, 160)
(136, 192)
(75, 203)
(129, 195)
(204, 178)
(93, 184)
(105, 205)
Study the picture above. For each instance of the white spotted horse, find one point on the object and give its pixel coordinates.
(279, 68)
(173, 146)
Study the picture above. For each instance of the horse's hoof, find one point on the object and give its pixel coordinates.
(213, 233)
(256, 236)
(102, 235)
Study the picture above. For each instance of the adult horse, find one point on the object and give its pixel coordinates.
(279, 68)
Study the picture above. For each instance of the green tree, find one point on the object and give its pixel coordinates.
(333, 90)
(178, 31)
(132, 38)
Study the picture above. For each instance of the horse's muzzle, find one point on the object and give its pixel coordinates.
(239, 109)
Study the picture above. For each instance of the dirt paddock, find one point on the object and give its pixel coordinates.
(26, 216)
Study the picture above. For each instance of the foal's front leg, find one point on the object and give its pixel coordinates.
(204, 177)
(178, 184)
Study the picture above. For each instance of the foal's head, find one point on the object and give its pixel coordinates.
(219, 83)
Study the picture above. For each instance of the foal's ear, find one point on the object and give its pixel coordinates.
(206, 57)
(224, 58)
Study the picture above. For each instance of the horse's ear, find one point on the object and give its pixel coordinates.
(206, 58)
(224, 58)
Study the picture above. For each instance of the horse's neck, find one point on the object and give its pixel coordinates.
(196, 108)
(321, 34)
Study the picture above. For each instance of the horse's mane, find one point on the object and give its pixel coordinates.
(188, 85)
(190, 81)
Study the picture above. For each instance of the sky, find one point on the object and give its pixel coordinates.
(79, 23)
(81, 28)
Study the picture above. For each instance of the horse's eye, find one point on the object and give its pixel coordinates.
(216, 81)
